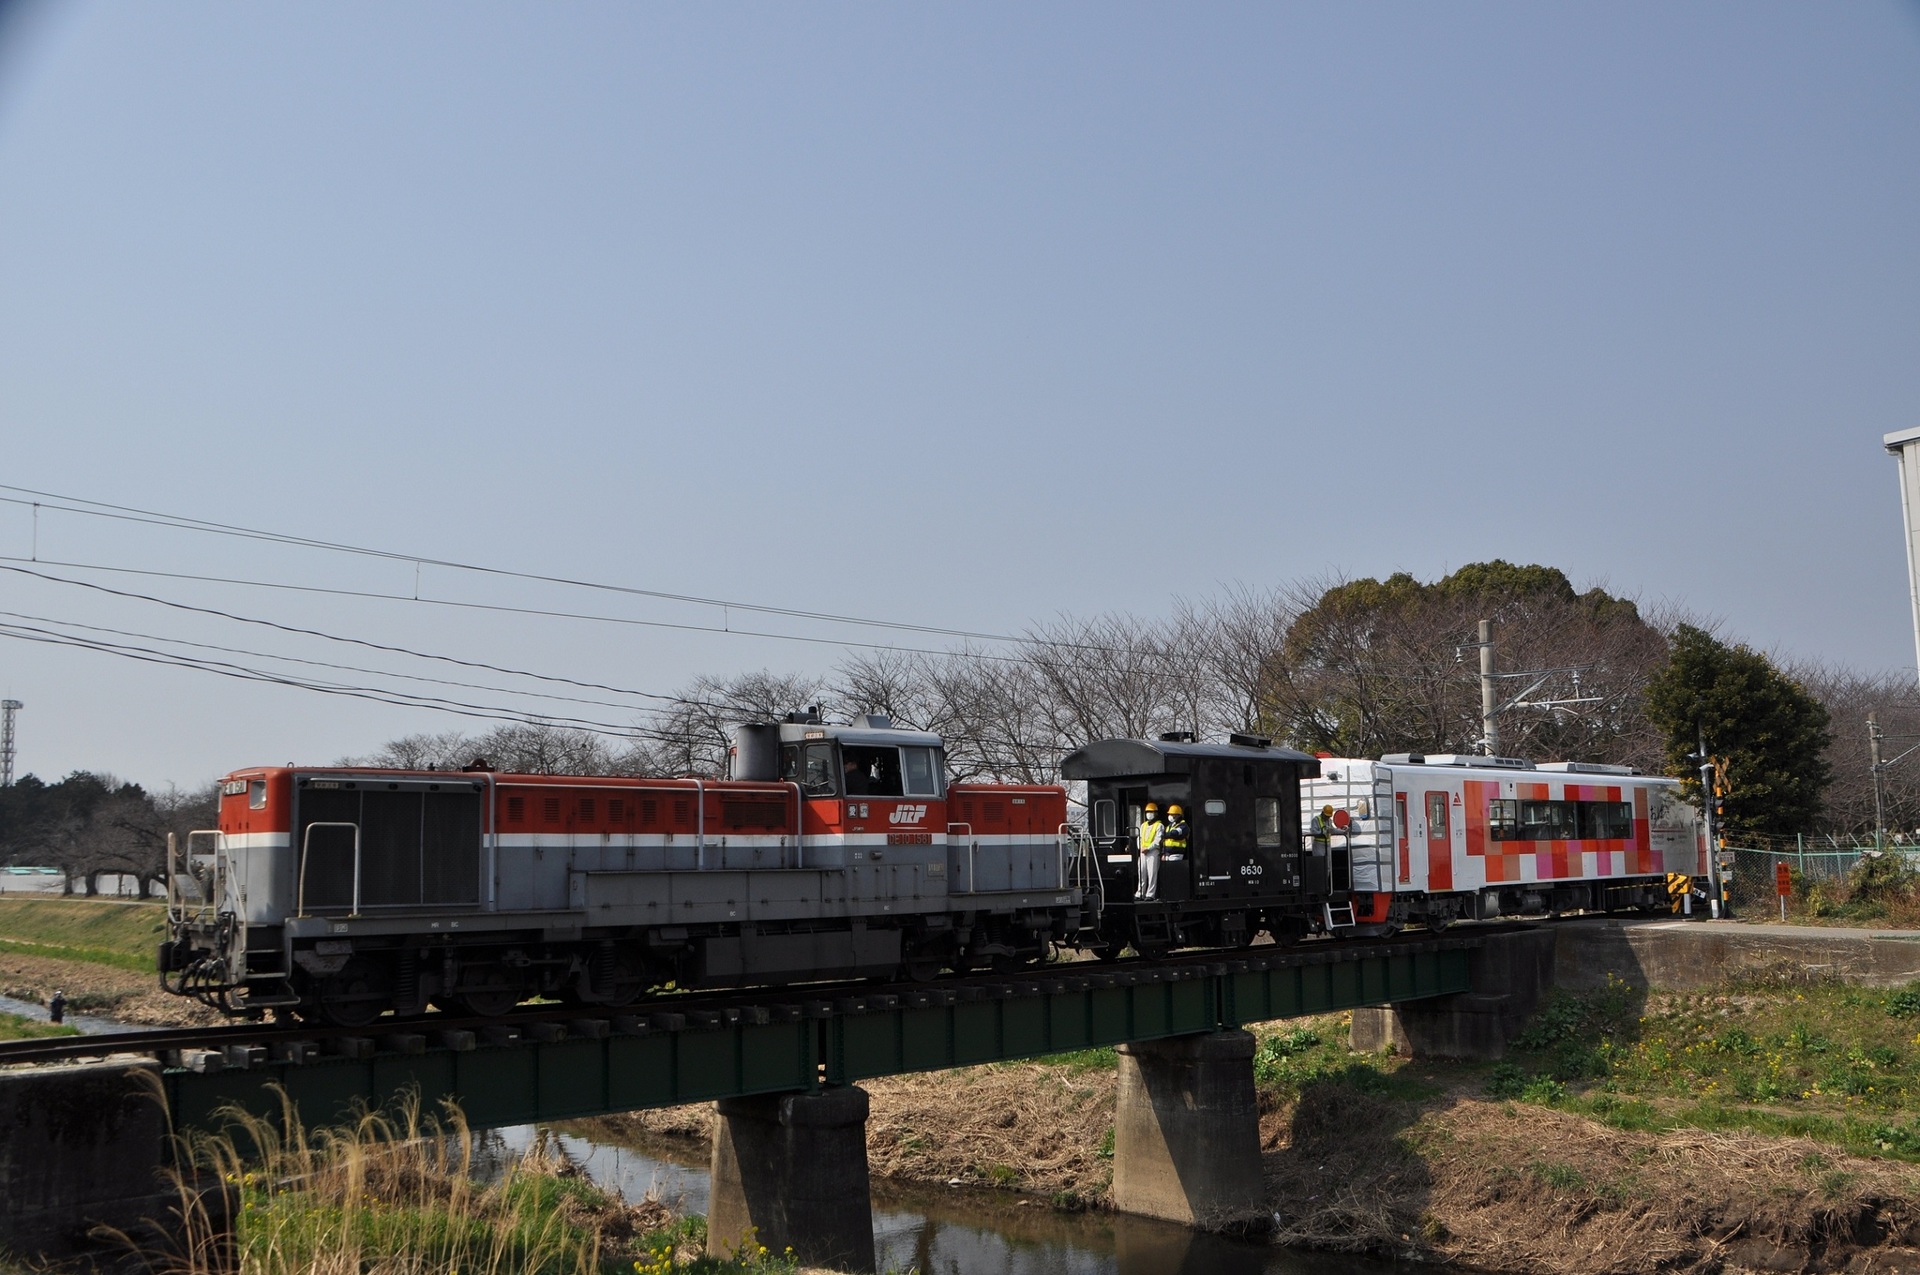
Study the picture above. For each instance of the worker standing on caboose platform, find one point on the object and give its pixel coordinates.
(1152, 834)
(1174, 840)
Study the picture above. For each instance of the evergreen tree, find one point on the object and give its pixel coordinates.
(1772, 733)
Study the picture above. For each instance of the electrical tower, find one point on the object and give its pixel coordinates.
(8, 707)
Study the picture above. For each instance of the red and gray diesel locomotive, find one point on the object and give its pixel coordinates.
(338, 894)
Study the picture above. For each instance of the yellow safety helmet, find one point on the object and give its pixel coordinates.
(1153, 807)
(1175, 810)
(1326, 812)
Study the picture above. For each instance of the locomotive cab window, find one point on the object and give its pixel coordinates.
(921, 769)
(872, 772)
(1104, 823)
(257, 795)
(812, 767)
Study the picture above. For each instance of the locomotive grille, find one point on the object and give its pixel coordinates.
(616, 810)
(753, 813)
(586, 807)
(649, 812)
(550, 809)
(417, 847)
(516, 808)
(682, 811)
(995, 811)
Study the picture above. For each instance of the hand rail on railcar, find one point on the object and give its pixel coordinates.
(306, 843)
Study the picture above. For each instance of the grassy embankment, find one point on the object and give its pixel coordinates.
(118, 935)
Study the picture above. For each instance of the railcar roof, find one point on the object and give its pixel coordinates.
(1119, 758)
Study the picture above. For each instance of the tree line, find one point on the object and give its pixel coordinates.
(1347, 667)
(93, 825)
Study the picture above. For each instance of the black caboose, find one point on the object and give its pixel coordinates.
(1244, 870)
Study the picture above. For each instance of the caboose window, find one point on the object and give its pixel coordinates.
(1103, 818)
(1266, 821)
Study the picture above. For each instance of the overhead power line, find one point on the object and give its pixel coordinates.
(495, 607)
(127, 513)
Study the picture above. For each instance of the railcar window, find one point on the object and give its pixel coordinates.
(1216, 806)
(1266, 821)
(1436, 815)
(1606, 820)
(1510, 820)
(922, 777)
(1103, 819)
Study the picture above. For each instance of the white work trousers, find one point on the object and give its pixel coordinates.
(1149, 874)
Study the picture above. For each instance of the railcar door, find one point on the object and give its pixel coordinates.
(1439, 844)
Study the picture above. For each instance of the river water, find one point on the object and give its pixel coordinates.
(938, 1231)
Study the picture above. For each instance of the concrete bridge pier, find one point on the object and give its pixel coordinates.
(790, 1170)
(83, 1147)
(1186, 1133)
(1511, 973)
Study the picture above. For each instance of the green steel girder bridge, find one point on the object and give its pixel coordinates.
(539, 1067)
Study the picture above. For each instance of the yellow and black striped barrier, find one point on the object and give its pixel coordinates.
(1679, 886)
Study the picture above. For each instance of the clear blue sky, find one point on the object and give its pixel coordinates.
(960, 314)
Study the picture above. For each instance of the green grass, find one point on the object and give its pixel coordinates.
(1315, 1051)
(121, 935)
(1837, 1064)
(1077, 1061)
(15, 1027)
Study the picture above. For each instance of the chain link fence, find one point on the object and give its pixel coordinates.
(1750, 878)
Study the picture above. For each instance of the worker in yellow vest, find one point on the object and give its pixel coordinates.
(1152, 833)
(1173, 842)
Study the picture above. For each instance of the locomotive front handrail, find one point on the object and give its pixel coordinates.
(306, 843)
(176, 906)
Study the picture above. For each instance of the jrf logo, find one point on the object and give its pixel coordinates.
(907, 814)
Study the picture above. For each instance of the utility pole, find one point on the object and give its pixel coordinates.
(1489, 715)
(1881, 765)
(8, 707)
(1490, 705)
(1713, 842)
(1879, 806)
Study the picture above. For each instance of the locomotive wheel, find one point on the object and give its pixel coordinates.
(354, 997)
(492, 995)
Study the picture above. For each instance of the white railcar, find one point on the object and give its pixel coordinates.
(1439, 838)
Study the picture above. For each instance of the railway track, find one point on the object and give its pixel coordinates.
(242, 1045)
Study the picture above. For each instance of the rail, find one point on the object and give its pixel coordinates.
(306, 844)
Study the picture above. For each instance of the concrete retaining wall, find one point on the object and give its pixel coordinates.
(1694, 955)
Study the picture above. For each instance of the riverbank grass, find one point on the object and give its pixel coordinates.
(1833, 1063)
(406, 1193)
(19, 1027)
(120, 935)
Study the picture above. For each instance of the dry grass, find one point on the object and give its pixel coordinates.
(407, 1193)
